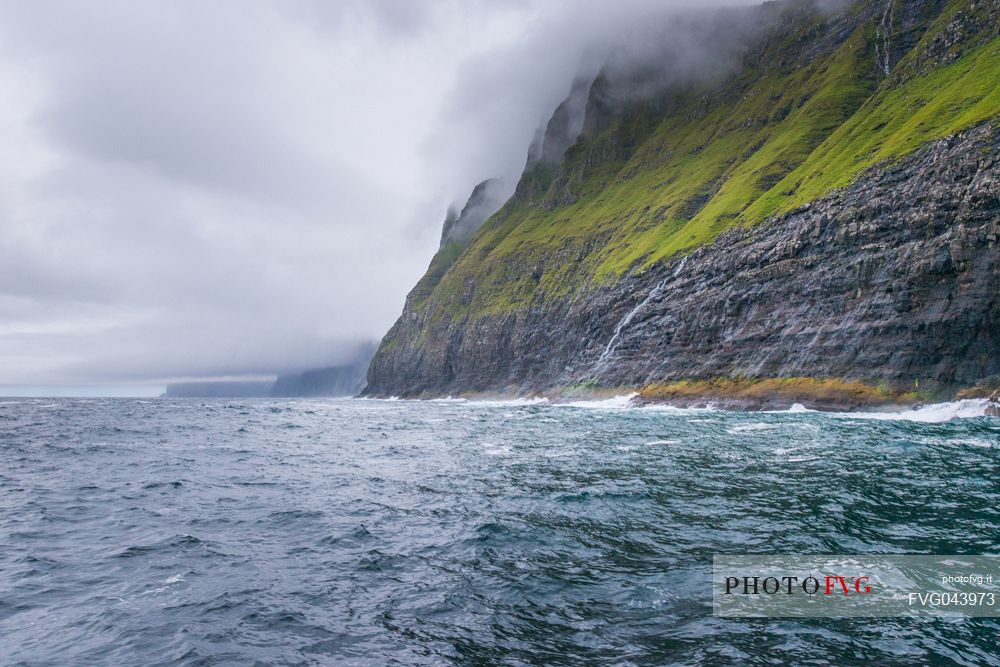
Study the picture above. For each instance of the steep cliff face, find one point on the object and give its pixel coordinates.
(827, 209)
(460, 226)
(346, 380)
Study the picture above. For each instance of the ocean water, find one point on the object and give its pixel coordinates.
(145, 532)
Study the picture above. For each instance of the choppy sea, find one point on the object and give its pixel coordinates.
(354, 532)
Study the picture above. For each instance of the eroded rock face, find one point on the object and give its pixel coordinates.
(895, 279)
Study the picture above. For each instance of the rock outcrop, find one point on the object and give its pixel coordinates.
(993, 405)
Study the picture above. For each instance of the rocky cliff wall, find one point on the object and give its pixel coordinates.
(895, 280)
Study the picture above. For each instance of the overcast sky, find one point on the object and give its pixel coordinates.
(227, 188)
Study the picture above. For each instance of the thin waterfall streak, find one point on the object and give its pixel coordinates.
(625, 321)
(612, 345)
(878, 50)
(884, 33)
(680, 267)
(888, 37)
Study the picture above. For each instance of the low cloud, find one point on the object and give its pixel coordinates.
(195, 189)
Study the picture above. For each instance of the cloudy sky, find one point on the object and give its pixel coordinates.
(228, 188)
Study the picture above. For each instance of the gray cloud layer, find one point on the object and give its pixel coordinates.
(203, 189)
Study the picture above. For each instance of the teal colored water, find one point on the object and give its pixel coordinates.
(367, 532)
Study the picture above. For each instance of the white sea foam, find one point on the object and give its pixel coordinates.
(512, 402)
(660, 407)
(973, 442)
(494, 449)
(615, 403)
(747, 428)
(796, 409)
(557, 454)
(936, 413)
(931, 414)
(664, 442)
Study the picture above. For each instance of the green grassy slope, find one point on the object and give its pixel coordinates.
(787, 130)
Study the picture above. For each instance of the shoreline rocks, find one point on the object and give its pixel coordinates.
(993, 405)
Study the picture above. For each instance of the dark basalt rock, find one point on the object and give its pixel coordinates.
(894, 279)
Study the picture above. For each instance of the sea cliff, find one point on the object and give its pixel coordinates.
(826, 210)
